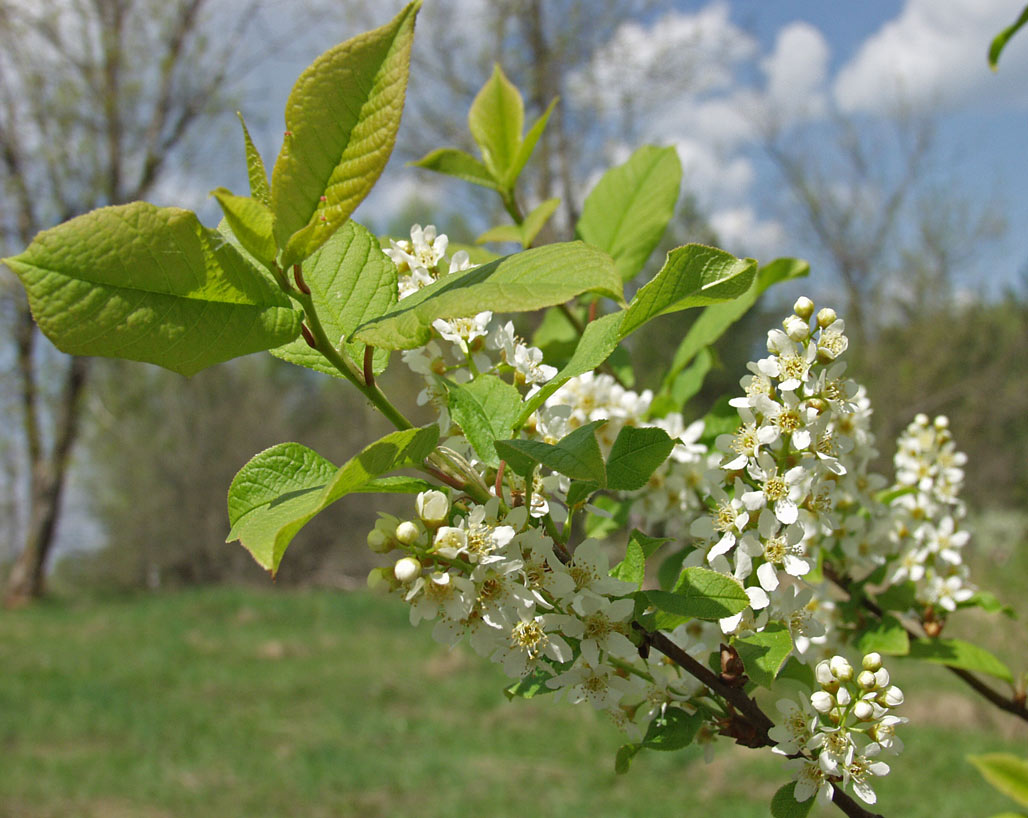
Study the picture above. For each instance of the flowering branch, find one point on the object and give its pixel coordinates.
(1014, 705)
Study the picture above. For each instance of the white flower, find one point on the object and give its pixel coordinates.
(602, 624)
(782, 491)
(433, 507)
(590, 570)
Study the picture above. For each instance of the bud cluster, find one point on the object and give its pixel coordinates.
(835, 737)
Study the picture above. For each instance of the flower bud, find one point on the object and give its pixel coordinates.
(376, 577)
(823, 673)
(841, 669)
(407, 569)
(822, 701)
(863, 710)
(941, 422)
(803, 307)
(866, 680)
(872, 661)
(407, 533)
(843, 697)
(433, 508)
(796, 328)
(826, 317)
(379, 541)
(893, 697)
(882, 678)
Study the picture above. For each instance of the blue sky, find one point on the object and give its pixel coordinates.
(804, 60)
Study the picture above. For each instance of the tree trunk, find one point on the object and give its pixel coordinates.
(48, 476)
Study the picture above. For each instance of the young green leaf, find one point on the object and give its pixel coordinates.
(764, 654)
(351, 280)
(259, 188)
(635, 455)
(599, 340)
(690, 365)
(576, 455)
(957, 653)
(459, 164)
(615, 516)
(630, 207)
(530, 686)
(251, 222)
(151, 284)
(526, 281)
(524, 233)
(341, 122)
(528, 145)
(640, 548)
(496, 120)
(685, 386)
(1000, 41)
(887, 636)
(673, 730)
(485, 410)
(702, 594)
(692, 276)
(1006, 772)
(623, 759)
(281, 489)
(785, 805)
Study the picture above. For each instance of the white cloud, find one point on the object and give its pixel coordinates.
(796, 70)
(934, 53)
(710, 174)
(740, 230)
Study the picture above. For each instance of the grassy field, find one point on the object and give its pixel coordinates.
(230, 702)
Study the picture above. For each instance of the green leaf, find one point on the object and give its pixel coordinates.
(887, 636)
(900, 598)
(702, 594)
(396, 484)
(623, 759)
(341, 122)
(673, 730)
(630, 207)
(988, 603)
(454, 162)
(279, 490)
(717, 318)
(556, 336)
(765, 653)
(502, 234)
(496, 120)
(640, 547)
(151, 284)
(692, 276)
(957, 653)
(351, 280)
(579, 492)
(685, 386)
(798, 672)
(528, 145)
(599, 340)
(785, 805)
(535, 221)
(636, 454)
(722, 419)
(1001, 39)
(485, 410)
(530, 686)
(576, 455)
(599, 527)
(541, 277)
(251, 222)
(1006, 772)
(259, 188)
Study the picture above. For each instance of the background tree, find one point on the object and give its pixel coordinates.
(98, 100)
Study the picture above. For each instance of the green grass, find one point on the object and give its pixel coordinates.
(228, 702)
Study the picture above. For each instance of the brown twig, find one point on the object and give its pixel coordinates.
(1011, 704)
(369, 365)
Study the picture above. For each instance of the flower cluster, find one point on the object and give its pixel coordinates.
(489, 576)
(835, 736)
(926, 516)
(783, 472)
(789, 489)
